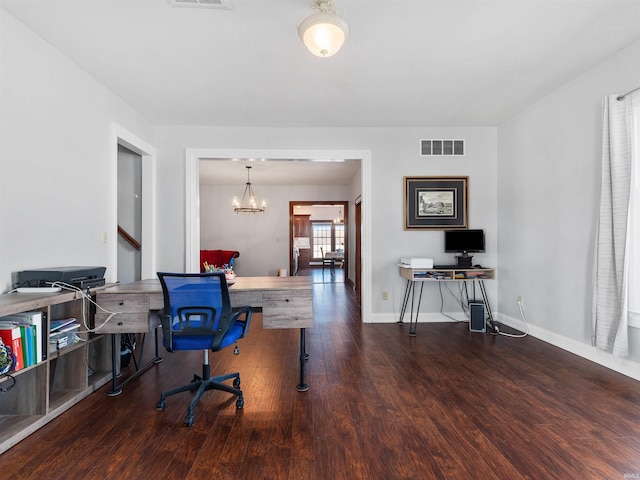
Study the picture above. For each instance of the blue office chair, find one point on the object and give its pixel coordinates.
(197, 315)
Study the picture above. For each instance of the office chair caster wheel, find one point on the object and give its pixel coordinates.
(188, 421)
(161, 405)
(236, 383)
(240, 402)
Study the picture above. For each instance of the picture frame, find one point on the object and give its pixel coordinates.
(435, 203)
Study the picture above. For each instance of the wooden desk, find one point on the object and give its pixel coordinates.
(286, 302)
(423, 275)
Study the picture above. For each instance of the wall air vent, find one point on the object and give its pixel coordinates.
(225, 4)
(441, 147)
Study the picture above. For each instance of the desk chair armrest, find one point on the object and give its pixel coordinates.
(227, 323)
(165, 322)
(247, 311)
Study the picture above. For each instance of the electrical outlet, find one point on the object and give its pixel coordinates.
(519, 298)
(105, 237)
(385, 296)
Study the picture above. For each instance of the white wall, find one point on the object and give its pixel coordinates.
(262, 239)
(549, 194)
(395, 153)
(55, 122)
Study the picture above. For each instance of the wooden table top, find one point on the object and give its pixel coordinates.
(241, 284)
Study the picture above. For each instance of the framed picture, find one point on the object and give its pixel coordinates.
(435, 203)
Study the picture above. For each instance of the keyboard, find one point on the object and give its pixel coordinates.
(450, 267)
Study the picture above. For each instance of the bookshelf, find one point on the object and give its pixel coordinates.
(43, 391)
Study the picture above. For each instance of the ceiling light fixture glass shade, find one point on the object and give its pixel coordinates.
(323, 33)
(248, 203)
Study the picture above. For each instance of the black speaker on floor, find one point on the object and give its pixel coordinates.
(476, 317)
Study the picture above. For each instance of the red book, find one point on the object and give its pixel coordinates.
(11, 338)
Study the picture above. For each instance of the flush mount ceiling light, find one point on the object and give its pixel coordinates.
(248, 203)
(323, 33)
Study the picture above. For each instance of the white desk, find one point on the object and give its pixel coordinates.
(424, 275)
(286, 302)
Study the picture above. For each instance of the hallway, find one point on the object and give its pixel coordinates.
(322, 276)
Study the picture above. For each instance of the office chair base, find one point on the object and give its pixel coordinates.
(200, 386)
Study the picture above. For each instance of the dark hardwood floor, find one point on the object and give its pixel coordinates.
(447, 404)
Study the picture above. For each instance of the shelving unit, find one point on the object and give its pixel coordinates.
(447, 274)
(477, 276)
(45, 390)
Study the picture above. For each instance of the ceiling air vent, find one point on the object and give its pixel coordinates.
(226, 4)
(441, 147)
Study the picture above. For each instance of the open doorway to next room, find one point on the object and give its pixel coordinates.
(319, 235)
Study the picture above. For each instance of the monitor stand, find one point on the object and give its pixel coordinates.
(465, 261)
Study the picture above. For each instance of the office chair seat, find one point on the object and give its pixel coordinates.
(197, 315)
(199, 342)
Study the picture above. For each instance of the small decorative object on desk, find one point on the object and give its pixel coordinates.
(229, 274)
(227, 269)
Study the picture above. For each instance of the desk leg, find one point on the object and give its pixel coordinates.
(413, 325)
(486, 303)
(302, 387)
(405, 300)
(115, 389)
(115, 355)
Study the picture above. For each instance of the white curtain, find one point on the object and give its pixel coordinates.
(611, 272)
(633, 259)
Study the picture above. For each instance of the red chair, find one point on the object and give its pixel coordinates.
(217, 258)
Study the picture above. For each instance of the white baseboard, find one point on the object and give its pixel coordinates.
(588, 352)
(422, 318)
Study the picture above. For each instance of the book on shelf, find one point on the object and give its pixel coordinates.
(63, 332)
(58, 325)
(36, 320)
(26, 339)
(11, 338)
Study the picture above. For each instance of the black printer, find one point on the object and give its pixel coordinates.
(81, 277)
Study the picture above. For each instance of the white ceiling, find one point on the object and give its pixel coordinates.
(406, 62)
(277, 172)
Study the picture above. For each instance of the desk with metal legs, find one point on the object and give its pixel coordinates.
(286, 302)
(420, 276)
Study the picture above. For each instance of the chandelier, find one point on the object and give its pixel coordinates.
(339, 219)
(323, 33)
(248, 203)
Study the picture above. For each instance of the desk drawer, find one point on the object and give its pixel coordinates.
(292, 309)
(140, 322)
(129, 302)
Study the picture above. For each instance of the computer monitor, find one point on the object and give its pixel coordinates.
(464, 242)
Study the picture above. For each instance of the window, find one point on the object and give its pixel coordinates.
(327, 236)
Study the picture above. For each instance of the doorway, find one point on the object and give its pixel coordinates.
(319, 240)
(192, 211)
(129, 215)
(121, 137)
(358, 247)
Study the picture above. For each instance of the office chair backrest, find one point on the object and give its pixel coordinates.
(195, 304)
